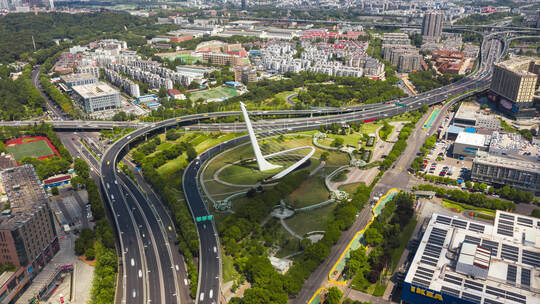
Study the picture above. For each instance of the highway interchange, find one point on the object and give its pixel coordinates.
(209, 263)
(152, 269)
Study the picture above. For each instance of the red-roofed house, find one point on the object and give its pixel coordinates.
(176, 94)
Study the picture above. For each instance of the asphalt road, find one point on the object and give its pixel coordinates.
(170, 233)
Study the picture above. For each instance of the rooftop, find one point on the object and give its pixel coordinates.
(501, 161)
(76, 77)
(507, 253)
(472, 139)
(25, 194)
(94, 90)
(519, 65)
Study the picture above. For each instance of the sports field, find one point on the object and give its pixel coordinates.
(216, 93)
(38, 147)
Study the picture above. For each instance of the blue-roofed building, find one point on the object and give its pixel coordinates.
(233, 84)
(470, 130)
(453, 132)
(151, 101)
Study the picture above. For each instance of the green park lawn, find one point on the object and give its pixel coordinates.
(311, 191)
(350, 188)
(313, 220)
(229, 272)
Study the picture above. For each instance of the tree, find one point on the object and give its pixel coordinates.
(90, 253)
(468, 184)
(81, 167)
(162, 92)
(191, 153)
(338, 142)
(194, 85)
(482, 187)
(373, 237)
(324, 156)
(536, 213)
(333, 296)
(54, 191)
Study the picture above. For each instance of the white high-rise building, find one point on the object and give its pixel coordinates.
(51, 5)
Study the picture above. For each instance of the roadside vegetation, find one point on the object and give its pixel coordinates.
(428, 80)
(19, 99)
(385, 241)
(98, 244)
(475, 199)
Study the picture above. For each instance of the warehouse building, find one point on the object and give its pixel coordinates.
(461, 261)
(501, 170)
(97, 97)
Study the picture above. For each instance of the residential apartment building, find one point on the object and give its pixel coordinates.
(28, 236)
(245, 74)
(501, 170)
(222, 59)
(97, 97)
(432, 25)
(129, 86)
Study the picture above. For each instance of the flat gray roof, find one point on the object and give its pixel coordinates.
(95, 90)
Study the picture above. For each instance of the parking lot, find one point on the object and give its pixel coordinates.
(438, 163)
(70, 208)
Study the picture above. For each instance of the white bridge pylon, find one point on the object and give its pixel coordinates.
(263, 164)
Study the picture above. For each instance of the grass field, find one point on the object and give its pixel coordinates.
(216, 93)
(350, 188)
(32, 149)
(248, 173)
(200, 141)
(311, 191)
(304, 222)
(229, 273)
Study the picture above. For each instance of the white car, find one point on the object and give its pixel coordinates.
(132, 262)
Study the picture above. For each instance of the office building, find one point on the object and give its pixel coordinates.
(97, 97)
(72, 80)
(464, 262)
(28, 236)
(502, 170)
(51, 5)
(244, 4)
(514, 82)
(432, 25)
